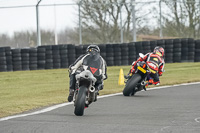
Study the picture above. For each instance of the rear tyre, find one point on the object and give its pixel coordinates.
(80, 101)
(130, 85)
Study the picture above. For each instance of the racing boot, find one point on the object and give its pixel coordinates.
(72, 87)
(151, 81)
(71, 94)
(98, 88)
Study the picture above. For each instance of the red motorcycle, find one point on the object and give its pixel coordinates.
(139, 80)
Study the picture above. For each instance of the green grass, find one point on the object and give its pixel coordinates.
(26, 90)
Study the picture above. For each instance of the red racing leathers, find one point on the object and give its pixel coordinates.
(156, 64)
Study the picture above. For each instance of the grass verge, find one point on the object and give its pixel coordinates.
(25, 90)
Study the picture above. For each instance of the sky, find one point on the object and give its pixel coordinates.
(24, 18)
(55, 18)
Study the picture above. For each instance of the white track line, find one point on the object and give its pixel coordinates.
(65, 104)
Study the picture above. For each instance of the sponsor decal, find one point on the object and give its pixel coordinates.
(93, 69)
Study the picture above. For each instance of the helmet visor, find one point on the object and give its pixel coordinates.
(158, 53)
(92, 50)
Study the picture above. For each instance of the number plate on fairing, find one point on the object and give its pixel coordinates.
(142, 69)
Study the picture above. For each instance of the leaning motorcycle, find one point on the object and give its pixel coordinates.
(139, 80)
(85, 92)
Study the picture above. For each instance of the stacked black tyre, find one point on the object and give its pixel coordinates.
(191, 50)
(85, 46)
(117, 54)
(139, 48)
(169, 51)
(125, 53)
(161, 43)
(131, 53)
(33, 59)
(177, 50)
(3, 63)
(8, 58)
(25, 59)
(184, 50)
(41, 58)
(109, 55)
(71, 53)
(49, 57)
(153, 44)
(102, 48)
(64, 55)
(56, 56)
(197, 51)
(79, 50)
(16, 59)
(146, 47)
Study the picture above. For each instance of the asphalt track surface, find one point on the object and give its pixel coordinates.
(167, 110)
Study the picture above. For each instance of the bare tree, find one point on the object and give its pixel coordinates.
(68, 36)
(183, 20)
(101, 20)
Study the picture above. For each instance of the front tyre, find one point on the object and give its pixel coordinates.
(80, 101)
(131, 84)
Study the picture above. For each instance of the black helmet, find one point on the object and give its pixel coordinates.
(93, 48)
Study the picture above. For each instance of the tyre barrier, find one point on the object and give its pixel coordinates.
(56, 57)
(71, 54)
(117, 55)
(177, 50)
(197, 51)
(153, 44)
(191, 50)
(25, 59)
(131, 53)
(8, 58)
(102, 50)
(124, 54)
(109, 55)
(41, 56)
(16, 59)
(169, 51)
(33, 59)
(138, 48)
(63, 55)
(184, 50)
(3, 61)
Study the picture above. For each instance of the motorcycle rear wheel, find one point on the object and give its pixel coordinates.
(80, 101)
(131, 84)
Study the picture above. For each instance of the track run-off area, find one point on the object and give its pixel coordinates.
(165, 109)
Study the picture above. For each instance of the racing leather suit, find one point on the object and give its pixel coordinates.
(94, 63)
(157, 69)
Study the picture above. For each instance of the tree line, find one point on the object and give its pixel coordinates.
(101, 23)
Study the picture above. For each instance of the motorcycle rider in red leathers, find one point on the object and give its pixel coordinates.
(156, 63)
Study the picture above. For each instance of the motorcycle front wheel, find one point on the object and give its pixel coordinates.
(131, 84)
(80, 101)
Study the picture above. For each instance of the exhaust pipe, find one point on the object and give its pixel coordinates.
(92, 89)
(143, 83)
